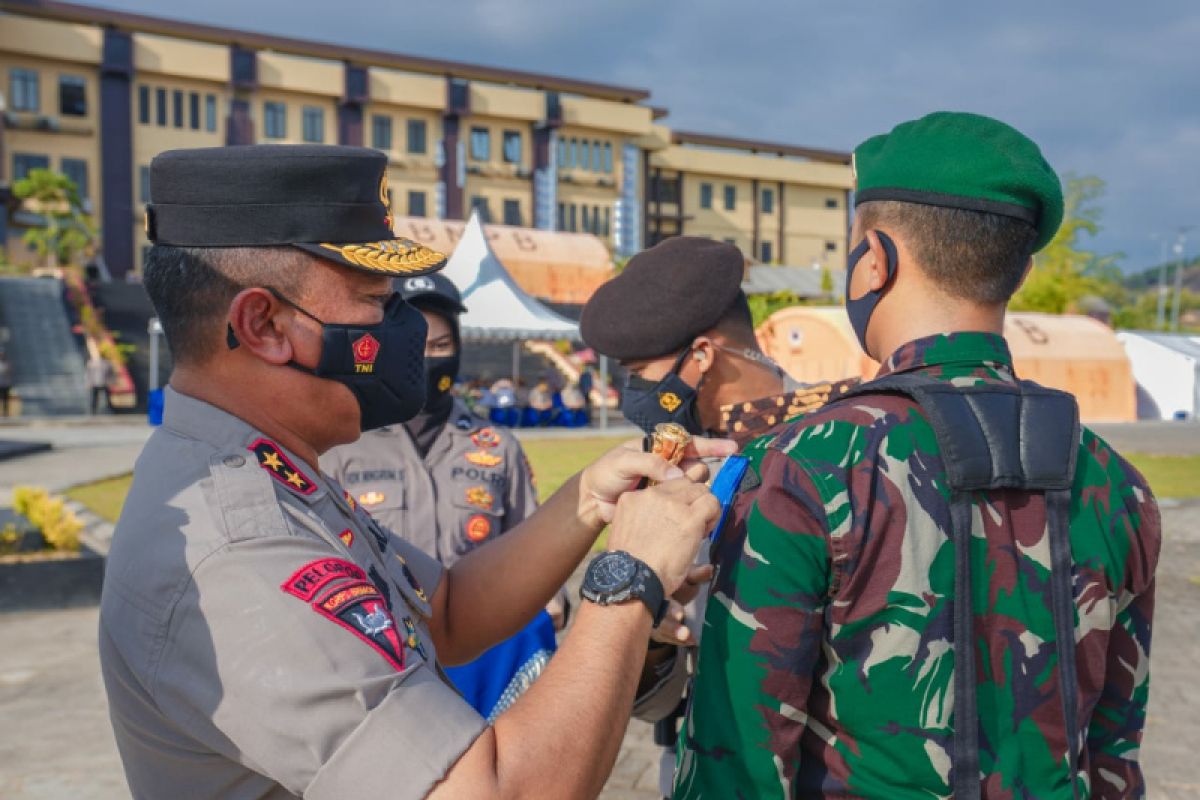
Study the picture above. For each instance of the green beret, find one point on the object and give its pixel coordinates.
(967, 161)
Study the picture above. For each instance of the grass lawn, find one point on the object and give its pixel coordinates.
(555, 460)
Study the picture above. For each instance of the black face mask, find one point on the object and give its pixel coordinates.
(646, 403)
(860, 310)
(383, 364)
(440, 372)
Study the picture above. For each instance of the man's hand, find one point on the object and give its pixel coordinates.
(662, 526)
(676, 627)
(620, 470)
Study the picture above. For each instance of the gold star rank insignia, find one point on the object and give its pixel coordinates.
(280, 467)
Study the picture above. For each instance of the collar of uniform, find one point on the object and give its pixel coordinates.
(967, 348)
(462, 421)
(204, 422)
(753, 418)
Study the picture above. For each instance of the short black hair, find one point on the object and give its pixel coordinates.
(737, 323)
(973, 255)
(191, 288)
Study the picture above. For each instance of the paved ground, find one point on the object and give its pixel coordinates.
(55, 741)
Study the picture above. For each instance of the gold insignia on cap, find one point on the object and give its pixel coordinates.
(383, 198)
(394, 256)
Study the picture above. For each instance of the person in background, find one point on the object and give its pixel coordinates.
(447, 482)
(586, 381)
(6, 381)
(99, 373)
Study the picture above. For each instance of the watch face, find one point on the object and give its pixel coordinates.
(613, 572)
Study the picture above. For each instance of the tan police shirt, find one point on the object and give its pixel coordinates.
(261, 636)
(474, 484)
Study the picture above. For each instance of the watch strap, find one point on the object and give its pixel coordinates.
(652, 593)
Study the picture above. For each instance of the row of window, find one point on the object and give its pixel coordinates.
(481, 145)
(176, 108)
(767, 197)
(585, 219)
(74, 168)
(511, 210)
(585, 154)
(381, 134)
(24, 92)
(312, 122)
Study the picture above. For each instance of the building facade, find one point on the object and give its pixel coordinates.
(96, 94)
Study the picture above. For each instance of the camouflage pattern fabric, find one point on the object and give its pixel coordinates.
(826, 665)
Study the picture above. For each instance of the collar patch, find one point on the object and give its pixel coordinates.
(281, 468)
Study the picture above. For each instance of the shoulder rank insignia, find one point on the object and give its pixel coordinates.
(486, 437)
(479, 497)
(280, 467)
(479, 527)
(482, 458)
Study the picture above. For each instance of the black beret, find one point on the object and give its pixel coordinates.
(437, 291)
(663, 299)
(328, 200)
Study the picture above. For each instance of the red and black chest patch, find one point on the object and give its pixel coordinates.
(361, 609)
(280, 467)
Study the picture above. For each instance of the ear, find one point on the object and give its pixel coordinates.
(875, 261)
(703, 351)
(260, 327)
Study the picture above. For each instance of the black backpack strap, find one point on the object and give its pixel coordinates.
(998, 436)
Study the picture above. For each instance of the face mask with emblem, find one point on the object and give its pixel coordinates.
(440, 373)
(382, 364)
(647, 403)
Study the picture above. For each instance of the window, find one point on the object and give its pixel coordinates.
(562, 157)
(76, 169)
(177, 104)
(561, 218)
(730, 197)
(571, 218)
(160, 107)
(144, 104)
(587, 219)
(210, 113)
(416, 136)
(607, 230)
(480, 204)
(416, 204)
(512, 147)
(765, 254)
(381, 132)
(23, 89)
(574, 159)
(72, 96)
(314, 124)
(481, 144)
(274, 120)
(194, 110)
(585, 155)
(768, 201)
(831, 202)
(608, 158)
(731, 241)
(706, 195)
(144, 184)
(597, 157)
(512, 212)
(831, 247)
(23, 164)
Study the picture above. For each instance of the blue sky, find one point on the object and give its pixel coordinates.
(1106, 88)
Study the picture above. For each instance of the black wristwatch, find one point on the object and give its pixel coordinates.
(616, 577)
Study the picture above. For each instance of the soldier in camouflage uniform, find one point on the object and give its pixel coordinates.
(829, 662)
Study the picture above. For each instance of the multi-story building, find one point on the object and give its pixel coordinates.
(96, 93)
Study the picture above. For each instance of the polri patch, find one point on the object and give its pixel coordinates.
(479, 527)
(482, 458)
(316, 575)
(360, 608)
(280, 467)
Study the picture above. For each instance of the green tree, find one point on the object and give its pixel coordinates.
(66, 231)
(826, 282)
(1065, 272)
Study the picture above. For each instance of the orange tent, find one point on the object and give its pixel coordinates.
(1074, 353)
(555, 266)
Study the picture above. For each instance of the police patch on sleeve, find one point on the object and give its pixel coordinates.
(316, 575)
(360, 608)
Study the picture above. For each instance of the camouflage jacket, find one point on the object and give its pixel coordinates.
(826, 665)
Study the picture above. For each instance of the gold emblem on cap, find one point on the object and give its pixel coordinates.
(394, 256)
(383, 198)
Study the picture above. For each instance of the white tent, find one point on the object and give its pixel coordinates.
(497, 308)
(1166, 367)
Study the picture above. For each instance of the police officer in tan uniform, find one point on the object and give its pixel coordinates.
(447, 482)
(261, 636)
